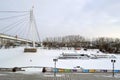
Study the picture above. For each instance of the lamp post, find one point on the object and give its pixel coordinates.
(113, 61)
(55, 60)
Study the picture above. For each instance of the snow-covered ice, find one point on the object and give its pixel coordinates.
(15, 57)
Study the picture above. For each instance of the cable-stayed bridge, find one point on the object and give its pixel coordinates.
(18, 26)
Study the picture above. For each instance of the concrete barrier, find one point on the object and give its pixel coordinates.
(61, 70)
(74, 70)
(55, 70)
(48, 69)
(79, 70)
(109, 71)
(92, 70)
(103, 71)
(85, 70)
(11, 69)
(68, 70)
(6, 69)
(116, 71)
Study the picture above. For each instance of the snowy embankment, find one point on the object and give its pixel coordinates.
(15, 57)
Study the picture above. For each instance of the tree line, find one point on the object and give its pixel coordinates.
(76, 41)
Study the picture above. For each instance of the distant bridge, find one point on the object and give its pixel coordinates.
(6, 39)
(4, 36)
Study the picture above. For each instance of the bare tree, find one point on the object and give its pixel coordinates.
(74, 41)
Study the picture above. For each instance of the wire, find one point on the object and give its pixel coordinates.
(14, 11)
(19, 29)
(11, 17)
(37, 30)
(26, 30)
(22, 29)
(13, 27)
(10, 24)
(7, 28)
(23, 34)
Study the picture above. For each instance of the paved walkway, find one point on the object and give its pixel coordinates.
(50, 76)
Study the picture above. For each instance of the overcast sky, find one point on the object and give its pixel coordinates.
(89, 18)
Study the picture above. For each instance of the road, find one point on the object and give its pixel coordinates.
(60, 76)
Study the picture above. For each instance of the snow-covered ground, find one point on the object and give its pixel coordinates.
(15, 57)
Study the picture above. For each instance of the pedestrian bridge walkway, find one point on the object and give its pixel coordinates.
(4, 36)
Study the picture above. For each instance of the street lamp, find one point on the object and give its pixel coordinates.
(55, 60)
(113, 61)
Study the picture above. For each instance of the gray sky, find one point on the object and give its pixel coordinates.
(89, 18)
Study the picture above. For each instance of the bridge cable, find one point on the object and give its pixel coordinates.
(19, 29)
(14, 11)
(13, 27)
(11, 17)
(9, 27)
(22, 30)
